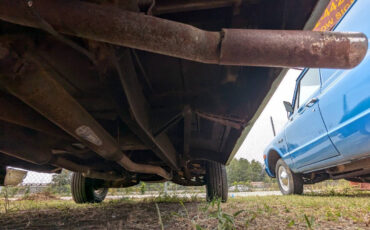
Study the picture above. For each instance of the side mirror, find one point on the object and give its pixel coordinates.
(288, 107)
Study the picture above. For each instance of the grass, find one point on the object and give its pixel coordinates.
(159, 217)
(311, 211)
(172, 199)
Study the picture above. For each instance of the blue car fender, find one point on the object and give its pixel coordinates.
(270, 149)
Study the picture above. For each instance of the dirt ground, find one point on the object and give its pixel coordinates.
(313, 211)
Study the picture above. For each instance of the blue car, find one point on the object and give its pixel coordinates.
(327, 135)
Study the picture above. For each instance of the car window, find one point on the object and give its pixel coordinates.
(307, 86)
(326, 74)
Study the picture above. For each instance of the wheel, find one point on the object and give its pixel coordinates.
(84, 191)
(289, 182)
(2, 175)
(216, 181)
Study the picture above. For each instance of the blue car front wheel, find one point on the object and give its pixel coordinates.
(289, 182)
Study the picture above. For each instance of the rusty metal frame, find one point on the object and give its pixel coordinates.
(359, 164)
(7, 160)
(138, 118)
(357, 173)
(10, 138)
(162, 124)
(183, 6)
(229, 122)
(40, 155)
(187, 131)
(35, 87)
(206, 155)
(20, 114)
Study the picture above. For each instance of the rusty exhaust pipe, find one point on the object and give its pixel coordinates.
(228, 47)
(86, 171)
(40, 91)
(284, 48)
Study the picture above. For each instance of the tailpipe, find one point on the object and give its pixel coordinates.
(143, 168)
(242, 47)
(289, 48)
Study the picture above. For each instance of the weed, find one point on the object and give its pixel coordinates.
(259, 210)
(250, 219)
(186, 211)
(159, 216)
(225, 220)
(309, 222)
(268, 209)
(198, 227)
(6, 199)
(142, 188)
(194, 198)
(171, 199)
(332, 216)
(291, 224)
(175, 214)
(193, 223)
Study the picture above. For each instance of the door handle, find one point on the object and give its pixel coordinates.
(312, 102)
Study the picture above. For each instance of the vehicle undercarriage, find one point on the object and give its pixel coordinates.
(130, 91)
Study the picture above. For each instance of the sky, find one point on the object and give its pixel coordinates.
(257, 139)
(37, 178)
(261, 133)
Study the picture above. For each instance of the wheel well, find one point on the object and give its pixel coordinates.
(273, 157)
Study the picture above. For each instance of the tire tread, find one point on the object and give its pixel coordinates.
(216, 181)
(83, 191)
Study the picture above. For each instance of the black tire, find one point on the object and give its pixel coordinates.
(2, 175)
(216, 182)
(292, 183)
(83, 190)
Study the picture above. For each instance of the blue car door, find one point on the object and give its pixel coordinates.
(306, 134)
(345, 104)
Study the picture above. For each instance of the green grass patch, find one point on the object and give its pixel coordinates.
(312, 211)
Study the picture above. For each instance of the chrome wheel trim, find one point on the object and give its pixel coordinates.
(283, 178)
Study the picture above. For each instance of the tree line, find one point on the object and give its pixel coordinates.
(241, 170)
